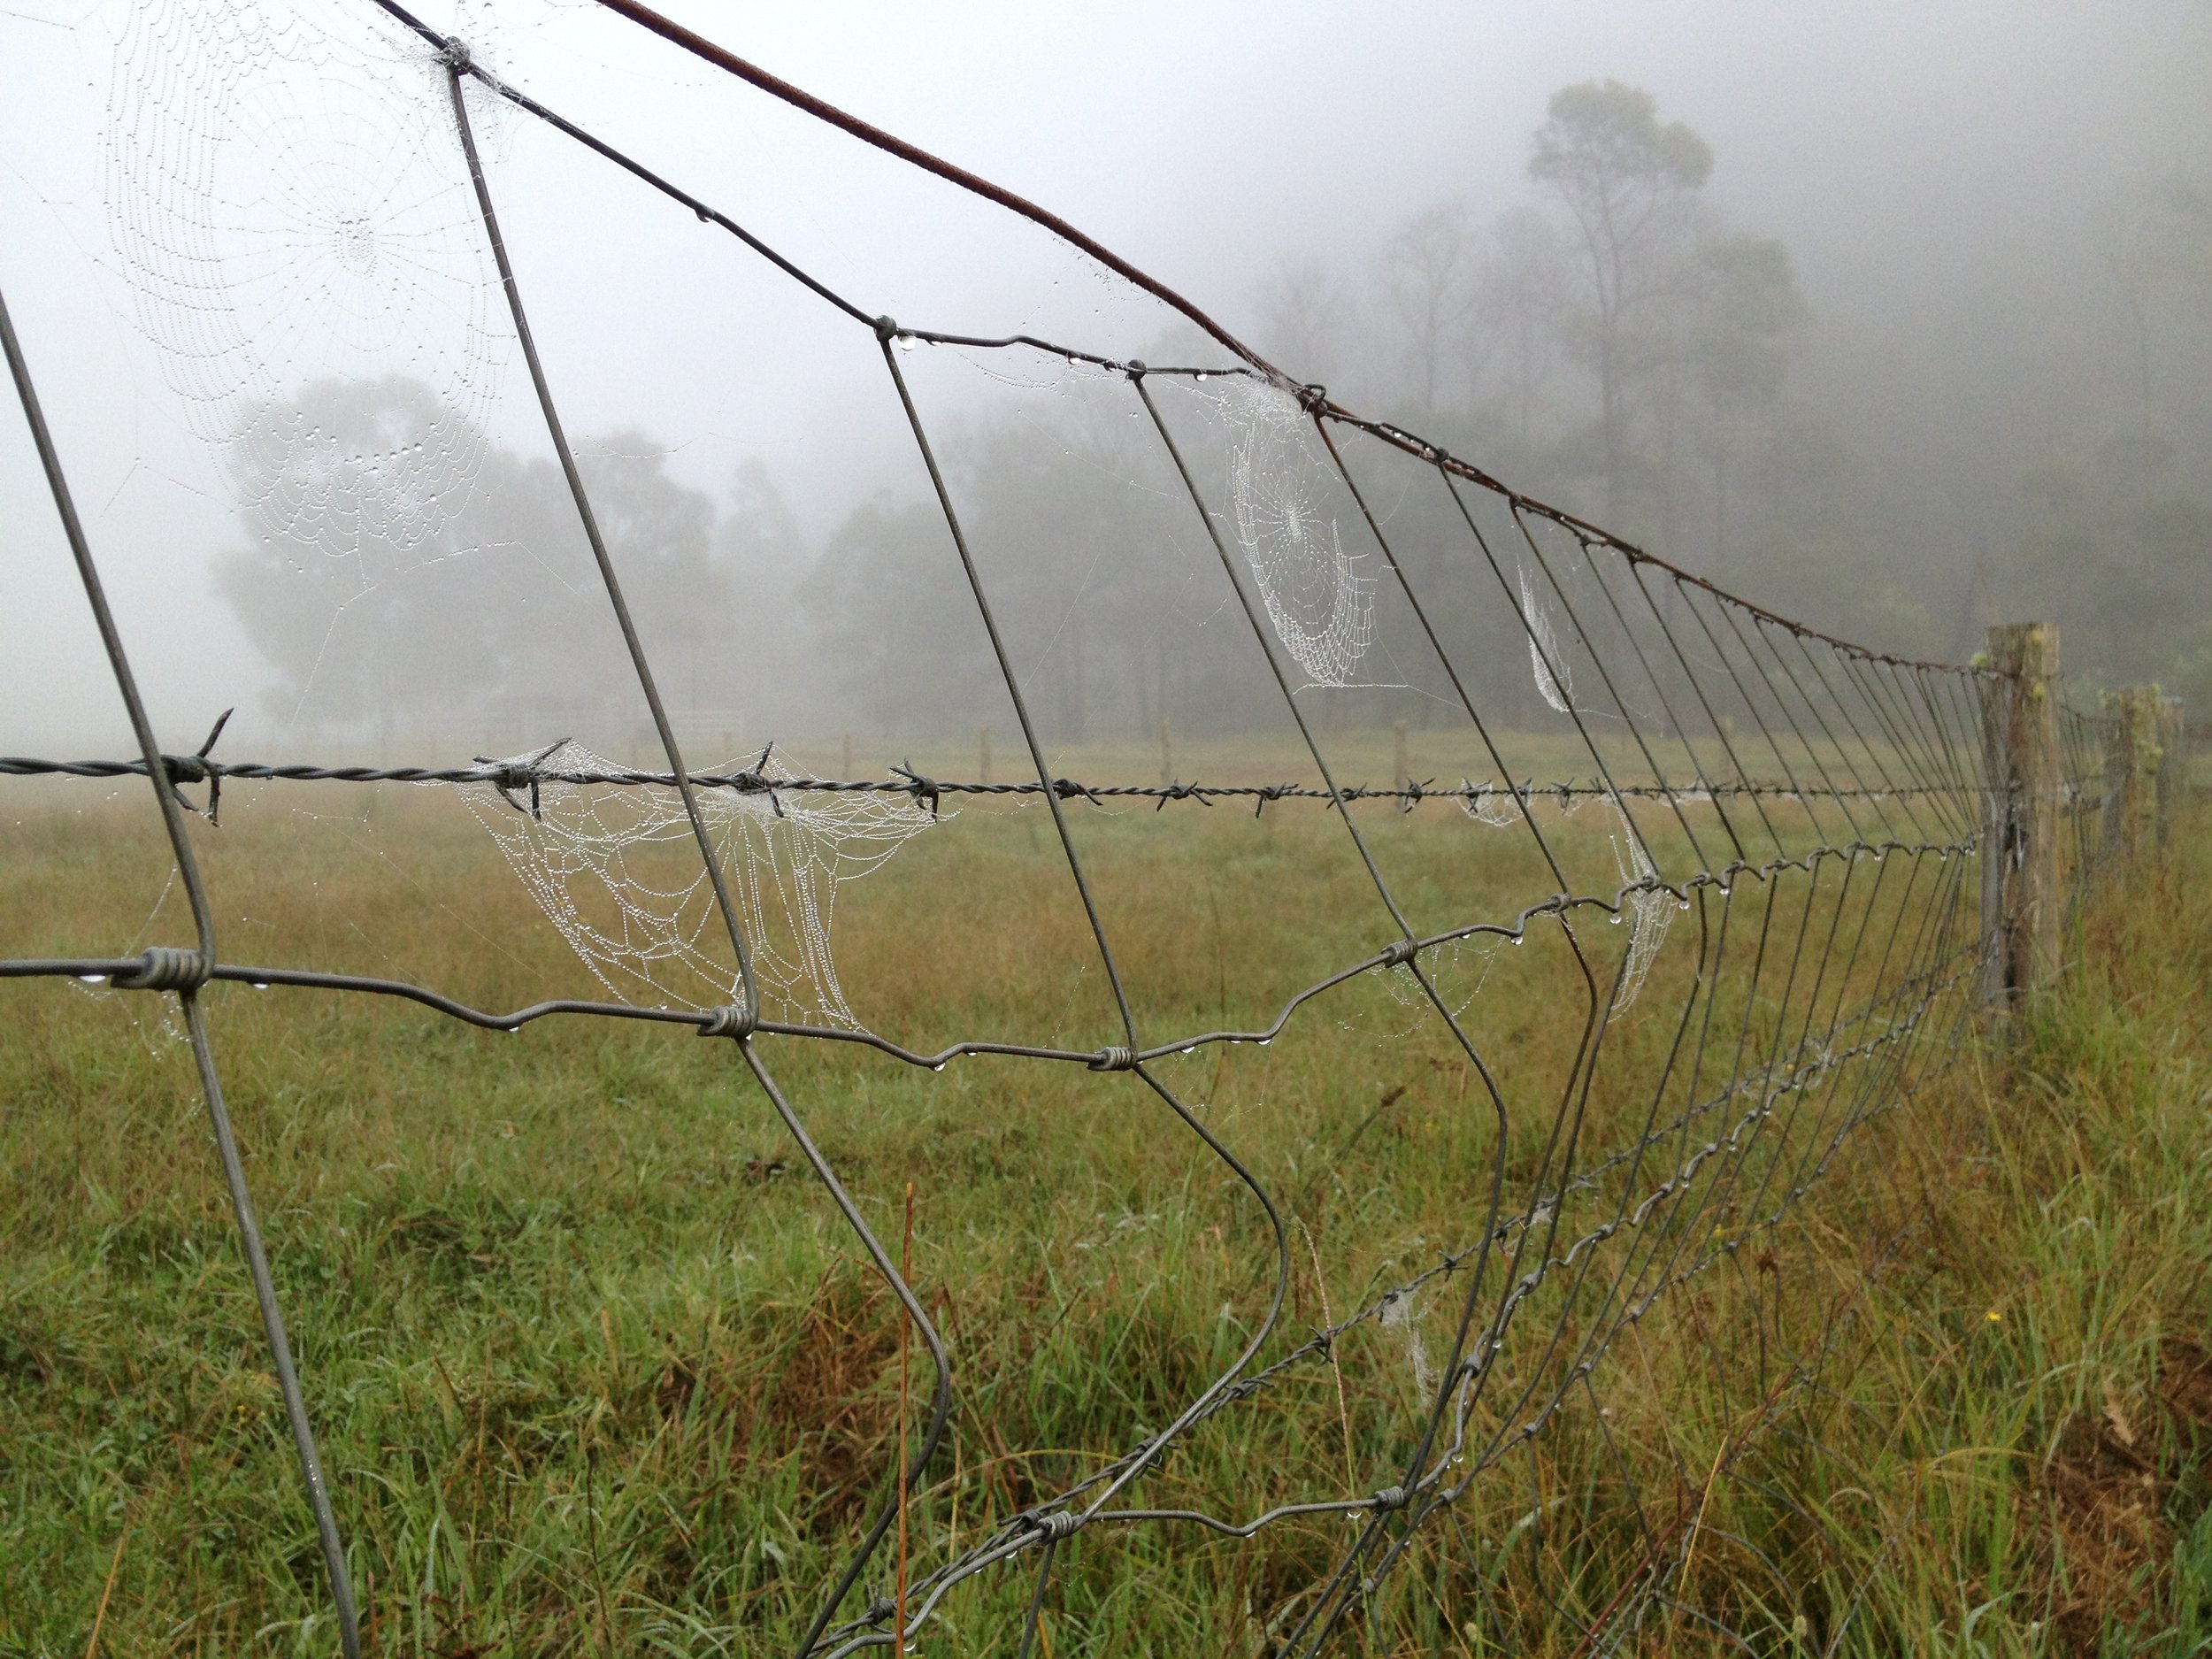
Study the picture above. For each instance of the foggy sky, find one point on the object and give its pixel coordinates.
(1943, 176)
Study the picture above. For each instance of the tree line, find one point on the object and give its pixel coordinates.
(1614, 342)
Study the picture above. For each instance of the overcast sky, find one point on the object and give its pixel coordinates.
(1935, 170)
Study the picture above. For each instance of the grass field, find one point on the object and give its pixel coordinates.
(596, 1368)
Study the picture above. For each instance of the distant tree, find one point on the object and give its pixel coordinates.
(373, 603)
(897, 622)
(1745, 312)
(1430, 268)
(351, 587)
(1520, 295)
(661, 536)
(1304, 319)
(1628, 182)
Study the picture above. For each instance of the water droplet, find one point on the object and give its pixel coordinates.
(939, 1067)
(1615, 918)
(1199, 375)
(258, 985)
(906, 342)
(93, 979)
(1192, 1049)
(1517, 939)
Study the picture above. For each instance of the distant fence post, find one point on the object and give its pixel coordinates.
(2131, 768)
(2173, 752)
(2020, 816)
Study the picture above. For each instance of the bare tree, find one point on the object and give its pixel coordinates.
(1628, 182)
(1519, 295)
(1304, 319)
(1430, 263)
(1747, 313)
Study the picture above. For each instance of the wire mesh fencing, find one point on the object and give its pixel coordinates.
(1772, 926)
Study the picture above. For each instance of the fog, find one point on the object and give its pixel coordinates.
(1918, 337)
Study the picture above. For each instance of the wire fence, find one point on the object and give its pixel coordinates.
(1804, 820)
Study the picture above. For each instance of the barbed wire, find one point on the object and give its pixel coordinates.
(1832, 955)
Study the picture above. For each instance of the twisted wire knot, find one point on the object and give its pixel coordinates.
(1398, 952)
(1114, 1057)
(1059, 1525)
(921, 786)
(165, 968)
(730, 1021)
(1388, 1499)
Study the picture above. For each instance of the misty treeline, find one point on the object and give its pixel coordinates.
(1612, 343)
(1616, 345)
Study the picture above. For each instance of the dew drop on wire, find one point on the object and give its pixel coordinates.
(93, 979)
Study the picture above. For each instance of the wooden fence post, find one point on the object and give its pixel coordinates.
(2173, 749)
(2131, 768)
(2020, 819)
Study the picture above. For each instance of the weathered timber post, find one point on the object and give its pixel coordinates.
(2026, 781)
(2173, 752)
(2131, 768)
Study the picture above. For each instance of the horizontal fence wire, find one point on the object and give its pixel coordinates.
(1805, 819)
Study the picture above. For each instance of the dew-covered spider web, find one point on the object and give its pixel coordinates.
(614, 867)
(287, 206)
(1555, 680)
(1317, 595)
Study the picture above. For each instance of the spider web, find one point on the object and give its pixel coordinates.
(1651, 909)
(1554, 681)
(615, 867)
(286, 204)
(1321, 604)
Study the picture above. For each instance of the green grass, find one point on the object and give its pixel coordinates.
(596, 1367)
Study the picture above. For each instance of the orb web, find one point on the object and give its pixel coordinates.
(1318, 600)
(616, 868)
(289, 207)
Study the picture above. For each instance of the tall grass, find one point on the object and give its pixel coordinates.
(598, 1369)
